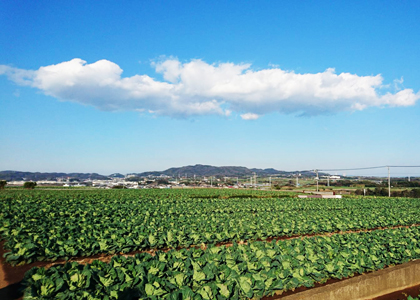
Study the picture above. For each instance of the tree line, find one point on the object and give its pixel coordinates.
(413, 193)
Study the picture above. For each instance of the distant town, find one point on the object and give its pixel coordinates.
(132, 181)
(204, 176)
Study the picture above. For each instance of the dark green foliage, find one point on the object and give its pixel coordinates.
(162, 181)
(396, 183)
(46, 225)
(238, 272)
(3, 183)
(413, 193)
(29, 185)
(118, 187)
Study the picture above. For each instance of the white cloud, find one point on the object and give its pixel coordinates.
(398, 84)
(249, 116)
(402, 98)
(199, 88)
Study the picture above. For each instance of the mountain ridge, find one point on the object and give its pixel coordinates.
(208, 170)
(188, 171)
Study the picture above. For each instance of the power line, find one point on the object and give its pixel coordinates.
(404, 166)
(368, 168)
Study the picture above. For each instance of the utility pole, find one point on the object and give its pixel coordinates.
(317, 179)
(255, 181)
(389, 183)
(270, 182)
(297, 180)
(328, 180)
(211, 181)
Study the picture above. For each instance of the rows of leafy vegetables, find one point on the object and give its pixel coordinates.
(237, 272)
(42, 225)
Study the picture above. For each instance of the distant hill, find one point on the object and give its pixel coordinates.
(34, 176)
(231, 171)
(117, 175)
(190, 171)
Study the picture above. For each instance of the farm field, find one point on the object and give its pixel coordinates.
(239, 272)
(240, 233)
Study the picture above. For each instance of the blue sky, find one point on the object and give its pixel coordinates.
(132, 86)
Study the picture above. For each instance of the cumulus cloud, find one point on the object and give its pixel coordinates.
(198, 88)
(249, 116)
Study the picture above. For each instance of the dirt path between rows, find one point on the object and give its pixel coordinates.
(11, 276)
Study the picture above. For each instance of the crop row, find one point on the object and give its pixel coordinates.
(59, 224)
(238, 272)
